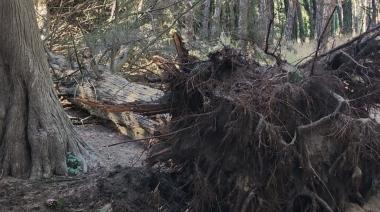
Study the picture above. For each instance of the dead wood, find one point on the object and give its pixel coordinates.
(254, 138)
(112, 97)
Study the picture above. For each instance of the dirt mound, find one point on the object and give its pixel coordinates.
(140, 189)
(125, 189)
(279, 138)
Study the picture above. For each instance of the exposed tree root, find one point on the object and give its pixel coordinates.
(272, 138)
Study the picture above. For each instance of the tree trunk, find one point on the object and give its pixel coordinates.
(35, 132)
(232, 17)
(355, 17)
(374, 13)
(340, 15)
(308, 5)
(216, 26)
(319, 19)
(347, 16)
(290, 16)
(116, 90)
(206, 18)
(189, 21)
(243, 24)
(301, 25)
(324, 10)
(266, 14)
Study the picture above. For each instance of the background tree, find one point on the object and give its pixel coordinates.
(35, 133)
(243, 23)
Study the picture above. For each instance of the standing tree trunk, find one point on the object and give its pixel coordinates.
(206, 18)
(216, 26)
(374, 13)
(301, 24)
(232, 17)
(308, 5)
(340, 15)
(347, 16)
(290, 18)
(319, 17)
(266, 14)
(355, 17)
(189, 21)
(324, 11)
(35, 133)
(243, 24)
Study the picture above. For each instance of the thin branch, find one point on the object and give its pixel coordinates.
(152, 137)
(353, 60)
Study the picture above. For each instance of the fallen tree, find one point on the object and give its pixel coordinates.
(90, 87)
(244, 137)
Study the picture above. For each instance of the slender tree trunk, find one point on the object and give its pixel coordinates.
(365, 15)
(266, 13)
(35, 132)
(314, 9)
(189, 21)
(232, 16)
(347, 16)
(216, 26)
(340, 15)
(243, 24)
(374, 13)
(206, 18)
(319, 21)
(324, 10)
(355, 17)
(290, 18)
(309, 11)
(301, 24)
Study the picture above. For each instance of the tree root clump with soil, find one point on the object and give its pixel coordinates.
(245, 137)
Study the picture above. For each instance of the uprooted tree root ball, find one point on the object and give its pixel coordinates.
(246, 137)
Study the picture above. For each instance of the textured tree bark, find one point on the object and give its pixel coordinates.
(340, 14)
(243, 24)
(35, 133)
(301, 25)
(319, 17)
(347, 16)
(206, 18)
(216, 26)
(291, 15)
(308, 5)
(374, 13)
(266, 13)
(116, 90)
(189, 21)
(232, 17)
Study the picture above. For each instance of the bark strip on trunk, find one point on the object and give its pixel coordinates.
(35, 133)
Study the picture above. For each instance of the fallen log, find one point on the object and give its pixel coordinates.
(111, 97)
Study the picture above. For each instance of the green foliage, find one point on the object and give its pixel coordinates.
(74, 164)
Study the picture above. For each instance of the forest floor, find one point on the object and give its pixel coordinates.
(121, 180)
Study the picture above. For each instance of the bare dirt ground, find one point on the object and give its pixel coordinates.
(121, 183)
